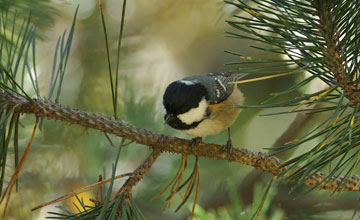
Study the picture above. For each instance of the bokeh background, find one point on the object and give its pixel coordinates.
(164, 40)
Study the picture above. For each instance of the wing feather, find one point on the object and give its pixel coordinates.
(217, 84)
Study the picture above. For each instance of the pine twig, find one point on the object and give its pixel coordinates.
(176, 181)
(335, 59)
(16, 172)
(138, 174)
(258, 160)
(301, 120)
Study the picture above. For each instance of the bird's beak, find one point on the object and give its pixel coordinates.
(168, 118)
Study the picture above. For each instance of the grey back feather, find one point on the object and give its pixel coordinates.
(217, 84)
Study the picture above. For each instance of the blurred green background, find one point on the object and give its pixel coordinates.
(164, 40)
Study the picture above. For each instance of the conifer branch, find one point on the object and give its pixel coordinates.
(138, 174)
(336, 60)
(258, 160)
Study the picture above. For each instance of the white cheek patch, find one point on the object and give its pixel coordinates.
(194, 114)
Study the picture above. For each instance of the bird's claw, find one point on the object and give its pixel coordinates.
(196, 141)
(228, 149)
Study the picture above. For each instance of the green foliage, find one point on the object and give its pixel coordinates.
(322, 39)
(238, 211)
(126, 212)
(289, 28)
(114, 83)
(61, 56)
(39, 12)
(108, 209)
(18, 36)
(14, 51)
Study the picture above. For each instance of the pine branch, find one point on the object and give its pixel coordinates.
(138, 174)
(320, 37)
(43, 108)
(246, 186)
(335, 53)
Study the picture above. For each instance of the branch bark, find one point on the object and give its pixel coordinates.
(139, 173)
(258, 160)
(335, 58)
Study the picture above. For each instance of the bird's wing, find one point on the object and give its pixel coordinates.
(221, 89)
(217, 84)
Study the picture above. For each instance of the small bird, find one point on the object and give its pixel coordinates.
(203, 105)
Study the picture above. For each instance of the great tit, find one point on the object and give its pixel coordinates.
(203, 105)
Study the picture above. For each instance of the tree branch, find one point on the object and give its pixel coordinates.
(139, 173)
(51, 110)
(336, 60)
(245, 188)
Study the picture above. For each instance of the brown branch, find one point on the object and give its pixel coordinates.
(133, 179)
(51, 110)
(335, 58)
(138, 174)
(246, 187)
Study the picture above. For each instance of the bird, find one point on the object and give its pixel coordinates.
(203, 105)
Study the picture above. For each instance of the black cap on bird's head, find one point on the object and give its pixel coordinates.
(179, 97)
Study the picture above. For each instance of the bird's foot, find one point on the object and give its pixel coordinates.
(196, 141)
(228, 149)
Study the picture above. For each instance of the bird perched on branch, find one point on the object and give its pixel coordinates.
(203, 105)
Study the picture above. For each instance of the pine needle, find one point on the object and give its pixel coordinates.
(15, 175)
(176, 177)
(196, 191)
(261, 205)
(113, 95)
(78, 191)
(264, 77)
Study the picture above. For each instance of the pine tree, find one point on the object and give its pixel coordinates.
(318, 37)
